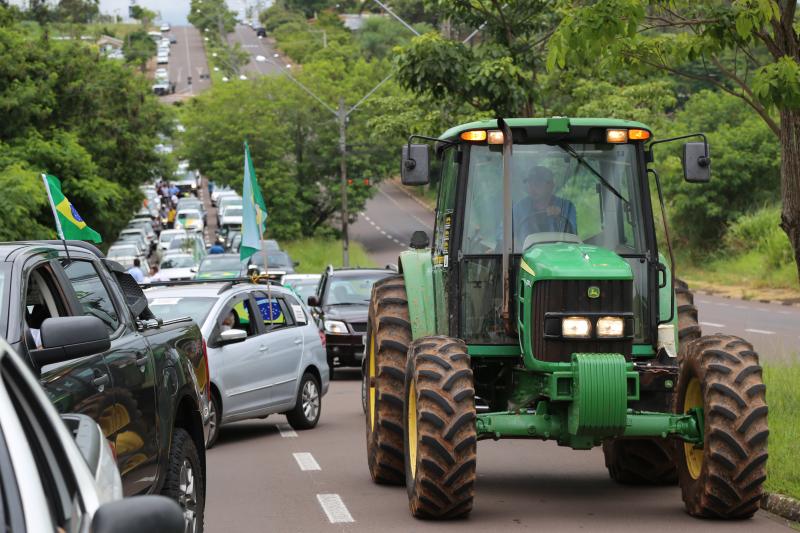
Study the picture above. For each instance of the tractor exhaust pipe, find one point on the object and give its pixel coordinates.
(508, 243)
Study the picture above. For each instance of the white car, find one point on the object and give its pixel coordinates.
(224, 202)
(231, 219)
(189, 219)
(166, 237)
(264, 356)
(162, 59)
(176, 267)
(218, 194)
(58, 472)
(165, 27)
(304, 285)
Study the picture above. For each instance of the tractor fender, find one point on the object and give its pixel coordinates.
(417, 269)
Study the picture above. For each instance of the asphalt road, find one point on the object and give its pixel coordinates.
(264, 477)
(254, 46)
(392, 215)
(187, 59)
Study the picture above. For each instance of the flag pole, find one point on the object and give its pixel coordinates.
(59, 231)
(266, 272)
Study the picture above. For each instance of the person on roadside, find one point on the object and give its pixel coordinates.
(171, 217)
(152, 275)
(218, 247)
(136, 271)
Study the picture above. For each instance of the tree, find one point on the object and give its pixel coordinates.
(143, 15)
(748, 49)
(500, 73)
(139, 47)
(78, 11)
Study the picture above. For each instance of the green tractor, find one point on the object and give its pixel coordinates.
(543, 309)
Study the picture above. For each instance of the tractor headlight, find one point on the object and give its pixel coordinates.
(576, 327)
(610, 326)
(335, 326)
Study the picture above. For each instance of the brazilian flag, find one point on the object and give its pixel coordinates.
(69, 223)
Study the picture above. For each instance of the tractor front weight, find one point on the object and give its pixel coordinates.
(587, 403)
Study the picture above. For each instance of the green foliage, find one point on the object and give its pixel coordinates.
(783, 397)
(316, 253)
(760, 231)
(78, 11)
(88, 120)
(143, 15)
(380, 35)
(745, 168)
(214, 16)
(645, 102)
(139, 48)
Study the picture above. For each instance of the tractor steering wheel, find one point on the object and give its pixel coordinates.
(533, 219)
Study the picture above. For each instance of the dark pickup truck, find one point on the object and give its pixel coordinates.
(83, 324)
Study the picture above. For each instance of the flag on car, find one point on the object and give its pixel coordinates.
(254, 212)
(69, 223)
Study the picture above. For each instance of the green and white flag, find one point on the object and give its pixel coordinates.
(69, 223)
(254, 212)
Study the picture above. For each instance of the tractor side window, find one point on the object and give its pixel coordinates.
(444, 209)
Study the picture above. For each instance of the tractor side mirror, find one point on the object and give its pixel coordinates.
(696, 163)
(414, 168)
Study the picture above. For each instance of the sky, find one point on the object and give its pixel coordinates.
(172, 11)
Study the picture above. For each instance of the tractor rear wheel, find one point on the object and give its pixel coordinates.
(439, 432)
(724, 477)
(388, 337)
(688, 326)
(640, 461)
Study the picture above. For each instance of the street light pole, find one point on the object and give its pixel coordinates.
(342, 116)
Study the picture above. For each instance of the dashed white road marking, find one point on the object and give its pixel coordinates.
(784, 312)
(377, 227)
(286, 431)
(712, 324)
(762, 331)
(383, 232)
(371, 222)
(740, 307)
(306, 461)
(334, 508)
(721, 304)
(704, 301)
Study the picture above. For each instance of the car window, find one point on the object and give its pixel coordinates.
(238, 314)
(170, 308)
(350, 290)
(52, 462)
(91, 292)
(180, 261)
(42, 301)
(274, 312)
(303, 287)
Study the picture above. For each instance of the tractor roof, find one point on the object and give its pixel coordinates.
(545, 122)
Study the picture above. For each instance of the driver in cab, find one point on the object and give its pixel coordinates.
(541, 210)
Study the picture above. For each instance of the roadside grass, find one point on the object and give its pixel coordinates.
(783, 398)
(750, 269)
(317, 253)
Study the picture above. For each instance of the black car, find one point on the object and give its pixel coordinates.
(261, 32)
(340, 307)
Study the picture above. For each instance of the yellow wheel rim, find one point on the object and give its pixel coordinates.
(371, 375)
(412, 428)
(694, 455)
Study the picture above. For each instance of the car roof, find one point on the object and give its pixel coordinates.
(301, 276)
(357, 272)
(214, 288)
(188, 210)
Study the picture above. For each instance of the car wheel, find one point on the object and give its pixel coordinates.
(308, 406)
(214, 417)
(185, 482)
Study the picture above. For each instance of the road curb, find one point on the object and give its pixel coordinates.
(788, 303)
(783, 506)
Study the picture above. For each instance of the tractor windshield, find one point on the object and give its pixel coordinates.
(570, 192)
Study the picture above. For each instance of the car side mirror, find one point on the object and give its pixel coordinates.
(193, 270)
(313, 301)
(232, 336)
(414, 168)
(140, 513)
(696, 163)
(70, 337)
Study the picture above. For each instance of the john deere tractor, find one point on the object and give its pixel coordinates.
(544, 309)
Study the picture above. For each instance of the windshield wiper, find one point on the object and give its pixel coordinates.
(571, 151)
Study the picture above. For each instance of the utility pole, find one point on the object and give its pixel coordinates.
(342, 115)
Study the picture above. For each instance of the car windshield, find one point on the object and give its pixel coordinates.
(122, 251)
(572, 193)
(233, 211)
(216, 264)
(350, 290)
(276, 259)
(181, 243)
(178, 261)
(189, 215)
(196, 307)
(304, 287)
(168, 237)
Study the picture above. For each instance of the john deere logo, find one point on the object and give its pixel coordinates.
(593, 292)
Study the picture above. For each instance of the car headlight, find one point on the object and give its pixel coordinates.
(576, 327)
(610, 326)
(335, 326)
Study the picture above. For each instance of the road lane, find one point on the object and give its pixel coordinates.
(254, 46)
(256, 483)
(187, 58)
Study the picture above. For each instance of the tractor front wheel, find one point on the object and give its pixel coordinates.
(439, 431)
(688, 325)
(388, 337)
(723, 476)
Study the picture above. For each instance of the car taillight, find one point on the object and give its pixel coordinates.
(322, 338)
(208, 373)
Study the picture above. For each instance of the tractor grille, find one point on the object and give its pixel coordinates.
(571, 298)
